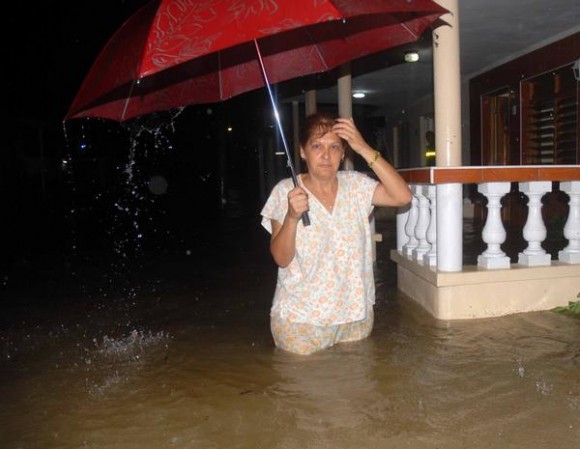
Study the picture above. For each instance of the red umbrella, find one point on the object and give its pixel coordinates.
(173, 53)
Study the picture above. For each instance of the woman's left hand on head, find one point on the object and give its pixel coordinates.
(347, 130)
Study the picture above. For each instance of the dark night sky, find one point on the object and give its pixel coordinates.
(46, 60)
(53, 49)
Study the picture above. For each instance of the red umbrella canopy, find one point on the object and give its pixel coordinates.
(173, 53)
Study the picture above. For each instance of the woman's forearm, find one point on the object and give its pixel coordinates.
(283, 242)
(395, 190)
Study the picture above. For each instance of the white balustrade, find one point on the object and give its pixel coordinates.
(534, 229)
(430, 228)
(402, 219)
(449, 227)
(437, 278)
(493, 232)
(422, 223)
(412, 241)
(430, 258)
(571, 254)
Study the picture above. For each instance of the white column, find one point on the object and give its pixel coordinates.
(422, 224)
(447, 90)
(430, 258)
(493, 232)
(447, 87)
(310, 102)
(410, 226)
(534, 230)
(402, 218)
(449, 218)
(571, 254)
(344, 86)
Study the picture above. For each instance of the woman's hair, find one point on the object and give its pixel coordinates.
(316, 125)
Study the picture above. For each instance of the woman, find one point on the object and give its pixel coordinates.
(325, 290)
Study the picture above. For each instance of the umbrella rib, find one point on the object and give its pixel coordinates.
(410, 31)
(317, 50)
(126, 105)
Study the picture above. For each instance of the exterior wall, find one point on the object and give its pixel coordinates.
(509, 75)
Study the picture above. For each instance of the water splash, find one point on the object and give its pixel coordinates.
(544, 387)
(520, 369)
(113, 214)
(132, 347)
(115, 361)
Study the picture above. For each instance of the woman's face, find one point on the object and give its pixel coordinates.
(323, 154)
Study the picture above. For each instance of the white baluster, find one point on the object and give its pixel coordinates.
(493, 232)
(412, 241)
(534, 229)
(571, 254)
(422, 223)
(402, 218)
(430, 258)
(450, 227)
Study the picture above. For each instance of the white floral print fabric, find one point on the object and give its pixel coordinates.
(330, 280)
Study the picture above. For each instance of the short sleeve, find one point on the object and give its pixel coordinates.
(363, 187)
(276, 205)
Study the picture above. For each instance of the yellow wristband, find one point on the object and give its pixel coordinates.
(377, 154)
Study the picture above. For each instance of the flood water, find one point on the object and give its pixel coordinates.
(191, 364)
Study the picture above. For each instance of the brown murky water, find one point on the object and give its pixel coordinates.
(194, 367)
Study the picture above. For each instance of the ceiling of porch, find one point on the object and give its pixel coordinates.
(491, 32)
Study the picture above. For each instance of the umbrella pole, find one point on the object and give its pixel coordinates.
(305, 217)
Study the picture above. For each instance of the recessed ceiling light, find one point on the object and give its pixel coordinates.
(358, 95)
(411, 56)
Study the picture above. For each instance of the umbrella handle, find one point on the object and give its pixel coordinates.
(305, 217)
